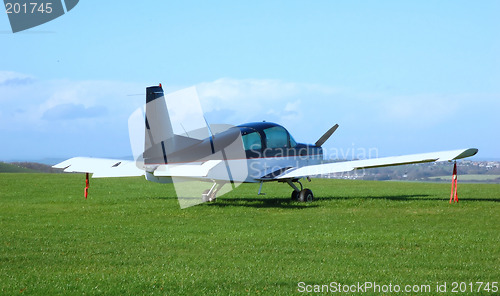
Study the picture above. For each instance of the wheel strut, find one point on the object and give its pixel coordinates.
(304, 194)
(290, 182)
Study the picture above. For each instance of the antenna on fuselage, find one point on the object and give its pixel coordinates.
(209, 128)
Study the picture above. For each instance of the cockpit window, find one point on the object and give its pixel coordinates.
(276, 137)
(252, 141)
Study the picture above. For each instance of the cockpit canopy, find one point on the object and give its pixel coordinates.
(259, 136)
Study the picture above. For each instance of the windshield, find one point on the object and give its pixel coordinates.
(252, 140)
(276, 137)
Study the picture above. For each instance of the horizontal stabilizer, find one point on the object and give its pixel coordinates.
(101, 167)
(195, 169)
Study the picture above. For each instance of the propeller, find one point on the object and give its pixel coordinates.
(326, 136)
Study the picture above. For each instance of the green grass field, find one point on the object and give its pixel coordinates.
(131, 238)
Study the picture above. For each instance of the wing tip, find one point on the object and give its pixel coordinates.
(467, 153)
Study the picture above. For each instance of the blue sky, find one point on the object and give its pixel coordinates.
(399, 76)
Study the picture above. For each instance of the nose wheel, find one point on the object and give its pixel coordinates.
(207, 197)
(210, 195)
(302, 194)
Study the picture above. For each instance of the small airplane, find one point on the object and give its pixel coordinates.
(201, 159)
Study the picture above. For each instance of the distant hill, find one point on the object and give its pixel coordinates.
(12, 168)
(27, 167)
(38, 167)
(468, 171)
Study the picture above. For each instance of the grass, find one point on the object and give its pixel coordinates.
(130, 237)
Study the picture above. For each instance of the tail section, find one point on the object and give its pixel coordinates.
(160, 140)
(158, 127)
(172, 143)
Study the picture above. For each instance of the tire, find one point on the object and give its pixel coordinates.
(306, 195)
(295, 195)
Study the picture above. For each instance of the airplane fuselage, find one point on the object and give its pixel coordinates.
(268, 150)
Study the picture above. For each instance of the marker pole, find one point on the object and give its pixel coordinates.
(454, 185)
(86, 184)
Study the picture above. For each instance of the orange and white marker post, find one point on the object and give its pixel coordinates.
(454, 185)
(86, 184)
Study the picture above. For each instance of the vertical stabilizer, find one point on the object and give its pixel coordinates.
(158, 127)
(157, 117)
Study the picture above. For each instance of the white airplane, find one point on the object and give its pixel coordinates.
(255, 152)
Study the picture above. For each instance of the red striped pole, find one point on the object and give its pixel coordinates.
(454, 185)
(86, 184)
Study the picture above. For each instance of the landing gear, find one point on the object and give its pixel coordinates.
(205, 196)
(210, 195)
(306, 195)
(303, 195)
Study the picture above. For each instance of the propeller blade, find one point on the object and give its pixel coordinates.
(327, 135)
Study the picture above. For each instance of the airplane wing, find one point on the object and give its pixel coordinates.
(101, 167)
(346, 166)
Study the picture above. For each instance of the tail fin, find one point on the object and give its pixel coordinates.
(158, 127)
(160, 139)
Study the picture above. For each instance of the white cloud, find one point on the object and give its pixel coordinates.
(242, 100)
(419, 110)
(73, 111)
(9, 78)
(232, 89)
(234, 92)
(29, 102)
(99, 110)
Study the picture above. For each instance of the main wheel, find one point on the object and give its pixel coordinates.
(295, 195)
(306, 195)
